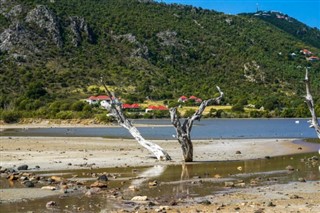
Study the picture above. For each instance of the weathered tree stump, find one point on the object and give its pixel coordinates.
(184, 130)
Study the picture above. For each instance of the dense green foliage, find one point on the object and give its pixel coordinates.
(161, 52)
(292, 26)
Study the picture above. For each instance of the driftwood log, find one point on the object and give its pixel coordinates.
(183, 130)
(115, 109)
(309, 100)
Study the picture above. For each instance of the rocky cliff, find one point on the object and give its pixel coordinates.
(30, 30)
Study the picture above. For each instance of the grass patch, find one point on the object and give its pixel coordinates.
(312, 140)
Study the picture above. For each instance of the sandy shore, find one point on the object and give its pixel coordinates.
(65, 153)
(59, 153)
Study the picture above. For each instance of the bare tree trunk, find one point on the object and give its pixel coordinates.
(116, 111)
(309, 100)
(184, 130)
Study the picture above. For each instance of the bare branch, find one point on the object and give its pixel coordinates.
(309, 100)
(115, 108)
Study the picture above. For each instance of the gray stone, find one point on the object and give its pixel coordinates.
(23, 167)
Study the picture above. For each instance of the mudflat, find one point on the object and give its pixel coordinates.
(71, 153)
(59, 153)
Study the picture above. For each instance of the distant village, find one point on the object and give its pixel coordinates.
(136, 107)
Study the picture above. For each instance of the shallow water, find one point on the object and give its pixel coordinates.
(205, 129)
(174, 182)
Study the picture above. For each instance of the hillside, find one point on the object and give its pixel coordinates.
(55, 49)
(290, 25)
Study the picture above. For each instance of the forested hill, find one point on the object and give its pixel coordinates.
(290, 25)
(56, 49)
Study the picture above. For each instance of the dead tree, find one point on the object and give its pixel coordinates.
(183, 130)
(309, 100)
(115, 109)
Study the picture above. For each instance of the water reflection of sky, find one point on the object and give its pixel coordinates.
(205, 129)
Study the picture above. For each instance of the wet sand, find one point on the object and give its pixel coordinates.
(65, 153)
(60, 153)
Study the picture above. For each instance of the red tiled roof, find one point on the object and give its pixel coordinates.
(313, 58)
(306, 52)
(193, 97)
(99, 98)
(130, 106)
(151, 107)
(199, 100)
(103, 97)
(93, 98)
(135, 106)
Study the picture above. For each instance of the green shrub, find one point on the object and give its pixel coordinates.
(77, 106)
(238, 108)
(103, 118)
(10, 116)
(189, 113)
(64, 115)
(256, 114)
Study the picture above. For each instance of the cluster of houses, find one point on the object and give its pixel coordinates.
(137, 107)
(184, 99)
(129, 107)
(309, 55)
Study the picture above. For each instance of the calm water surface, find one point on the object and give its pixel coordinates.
(205, 129)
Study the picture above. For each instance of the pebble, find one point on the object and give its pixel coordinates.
(99, 185)
(103, 178)
(23, 167)
(229, 184)
(51, 204)
(290, 168)
(29, 184)
(140, 198)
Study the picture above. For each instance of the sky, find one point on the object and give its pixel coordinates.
(306, 11)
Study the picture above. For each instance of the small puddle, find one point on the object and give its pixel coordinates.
(172, 182)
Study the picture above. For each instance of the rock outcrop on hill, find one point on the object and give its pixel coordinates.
(31, 30)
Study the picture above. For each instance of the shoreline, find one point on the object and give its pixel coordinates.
(85, 123)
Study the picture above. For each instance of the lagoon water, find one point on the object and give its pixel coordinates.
(205, 129)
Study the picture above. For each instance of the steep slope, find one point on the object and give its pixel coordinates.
(145, 49)
(290, 25)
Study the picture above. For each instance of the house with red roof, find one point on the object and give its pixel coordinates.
(192, 97)
(306, 52)
(155, 108)
(198, 100)
(183, 99)
(130, 106)
(313, 58)
(97, 99)
(195, 99)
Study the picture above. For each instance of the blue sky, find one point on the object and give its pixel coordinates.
(306, 11)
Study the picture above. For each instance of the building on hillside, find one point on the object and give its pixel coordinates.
(313, 58)
(97, 99)
(156, 108)
(195, 99)
(198, 100)
(306, 52)
(131, 107)
(183, 99)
